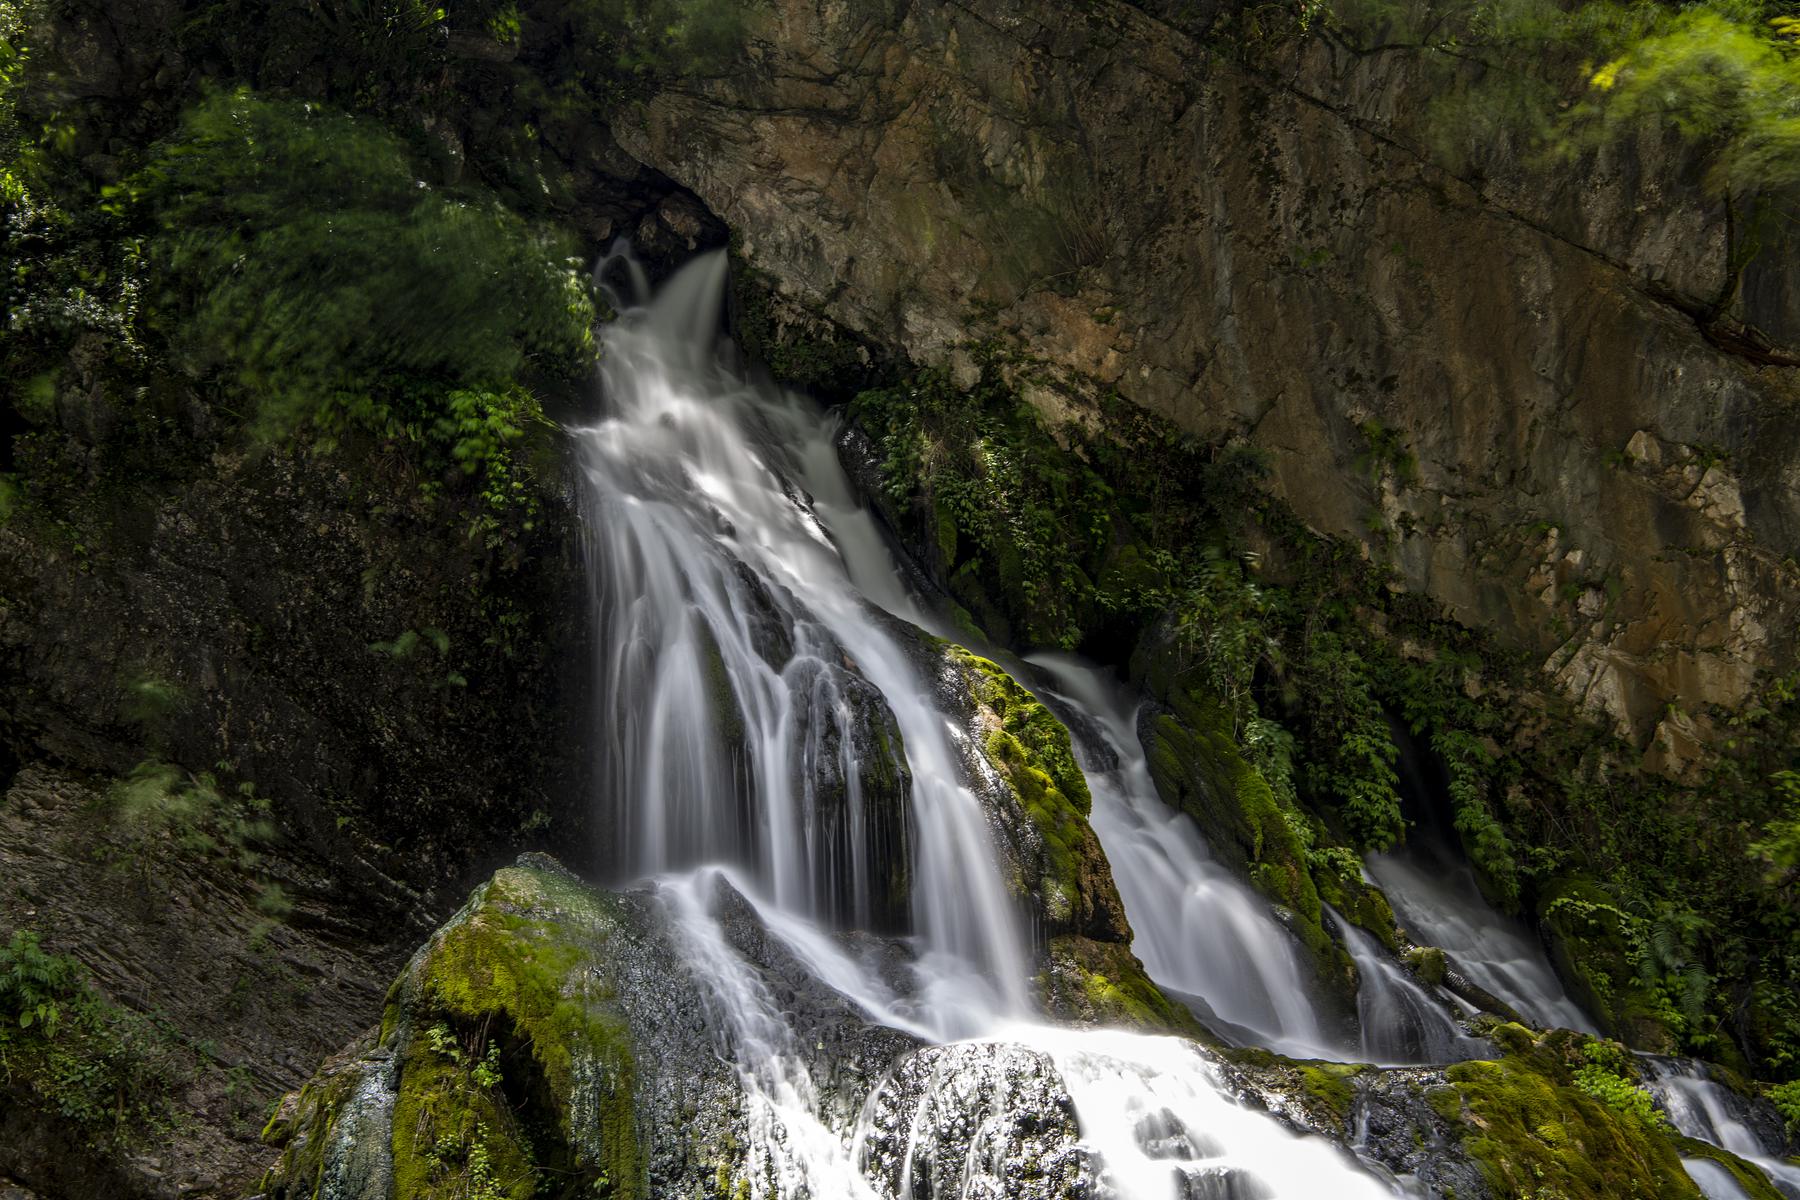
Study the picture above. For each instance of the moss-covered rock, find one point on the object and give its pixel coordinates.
(1059, 864)
(508, 1062)
(1103, 983)
(1533, 1132)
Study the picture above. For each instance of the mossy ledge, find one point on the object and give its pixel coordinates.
(502, 1062)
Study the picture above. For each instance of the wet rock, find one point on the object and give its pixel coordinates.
(980, 1120)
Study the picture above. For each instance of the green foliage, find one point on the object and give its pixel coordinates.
(34, 985)
(1006, 507)
(306, 260)
(1786, 1098)
(1721, 74)
(1357, 767)
(196, 812)
(1724, 73)
(1779, 846)
(68, 1050)
(1607, 1077)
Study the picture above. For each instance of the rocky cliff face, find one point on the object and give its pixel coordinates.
(1552, 400)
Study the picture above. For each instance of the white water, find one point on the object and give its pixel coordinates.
(1401, 1022)
(1715, 1182)
(1712, 1112)
(689, 480)
(1199, 930)
(1439, 904)
(723, 533)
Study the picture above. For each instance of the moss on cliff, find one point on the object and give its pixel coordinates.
(1103, 983)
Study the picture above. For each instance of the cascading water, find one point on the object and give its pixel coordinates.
(1438, 902)
(748, 690)
(1199, 930)
(758, 712)
(1435, 896)
(1708, 1111)
(1401, 1022)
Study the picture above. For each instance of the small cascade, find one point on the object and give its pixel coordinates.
(1714, 1181)
(792, 1153)
(1439, 904)
(1708, 1111)
(1434, 894)
(1401, 1021)
(1163, 1124)
(1200, 931)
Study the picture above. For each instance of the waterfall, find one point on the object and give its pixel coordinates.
(1435, 896)
(765, 720)
(1708, 1111)
(1438, 903)
(746, 687)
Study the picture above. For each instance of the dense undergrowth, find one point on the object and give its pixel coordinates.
(1673, 905)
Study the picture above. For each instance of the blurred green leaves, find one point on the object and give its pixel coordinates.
(302, 257)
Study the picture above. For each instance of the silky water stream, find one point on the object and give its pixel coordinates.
(764, 717)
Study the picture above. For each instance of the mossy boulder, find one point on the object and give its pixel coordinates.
(503, 1061)
(1103, 983)
(1533, 1132)
(1058, 865)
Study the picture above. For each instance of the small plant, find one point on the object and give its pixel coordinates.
(486, 1073)
(1786, 1098)
(35, 984)
(1604, 1078)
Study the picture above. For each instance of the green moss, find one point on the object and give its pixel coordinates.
(521, 961)
(1031, 750)
(1329, 1084)
(1104, 983)
(453, 1139)
(1589, 938)
(1532, 1131)
(303, 1130)
(1427, 963)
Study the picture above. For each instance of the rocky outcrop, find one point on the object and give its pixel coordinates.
(1516, 388)
(976, 1119)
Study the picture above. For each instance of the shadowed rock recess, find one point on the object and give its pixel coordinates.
(783, 599)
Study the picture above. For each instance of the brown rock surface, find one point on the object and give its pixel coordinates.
(1269, 254)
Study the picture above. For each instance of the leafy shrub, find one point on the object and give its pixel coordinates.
(73, 1052)
(1605, 1078)
(306, 260)
(35, 985)
(1786, 1098)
